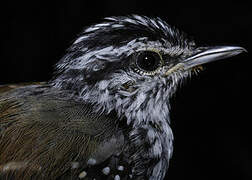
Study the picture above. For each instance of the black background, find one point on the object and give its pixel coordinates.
(210, 114)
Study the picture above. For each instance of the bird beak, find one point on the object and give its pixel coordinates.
(210, 54)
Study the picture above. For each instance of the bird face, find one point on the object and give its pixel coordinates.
(133, 65)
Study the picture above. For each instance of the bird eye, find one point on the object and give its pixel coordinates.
(148, 60)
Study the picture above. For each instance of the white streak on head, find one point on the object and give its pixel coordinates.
(90, 29)
(141, 20)
(80, 39)
(102, 25)
(131, 43)
(117, 25)
(164, 26)
(130, 20)
(154, 23)
(110, 18)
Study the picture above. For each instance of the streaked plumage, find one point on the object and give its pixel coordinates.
(105, 114)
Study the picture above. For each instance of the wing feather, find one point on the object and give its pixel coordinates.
(42, 133)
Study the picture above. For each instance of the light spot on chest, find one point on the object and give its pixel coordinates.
(91, 162)
(106, 170)
(83, 174)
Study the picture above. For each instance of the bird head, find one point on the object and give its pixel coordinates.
(132, 64)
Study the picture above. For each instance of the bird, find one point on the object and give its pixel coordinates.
(105, 113)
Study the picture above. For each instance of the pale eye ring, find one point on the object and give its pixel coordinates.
(148, 61)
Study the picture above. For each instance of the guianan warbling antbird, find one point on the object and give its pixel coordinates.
(105, 113)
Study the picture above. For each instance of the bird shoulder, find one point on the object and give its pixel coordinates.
(42, 133)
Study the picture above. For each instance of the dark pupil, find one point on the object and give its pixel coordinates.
(148, 61)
